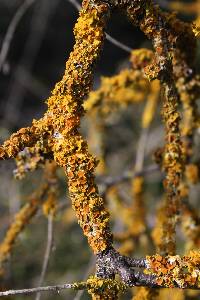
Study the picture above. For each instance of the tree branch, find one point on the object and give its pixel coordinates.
(54, 288)
(109, 181)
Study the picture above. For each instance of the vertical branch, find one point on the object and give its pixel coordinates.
(65, 109)
(155, 27)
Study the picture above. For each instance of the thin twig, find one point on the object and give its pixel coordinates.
(54, 288)
(109, 38)
(118, 43)
(109, 181)
(47, 253)
(11, 30)
(75, 3)
(140, 154)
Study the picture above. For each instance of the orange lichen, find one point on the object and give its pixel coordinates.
(104, 289)
(18, 141)
(174, 271)
(59, 127)
(172, 158)
(65, 106)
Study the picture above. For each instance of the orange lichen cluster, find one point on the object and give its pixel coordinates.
(174, 271)
(58, 129)
(25, 137)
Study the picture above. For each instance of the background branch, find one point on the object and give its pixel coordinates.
(11, 30)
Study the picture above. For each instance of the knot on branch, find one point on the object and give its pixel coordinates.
(110, 262)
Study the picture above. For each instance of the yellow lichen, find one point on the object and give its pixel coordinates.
(65, 108)
(104, 289)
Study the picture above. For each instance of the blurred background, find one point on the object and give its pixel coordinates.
(34, 62)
